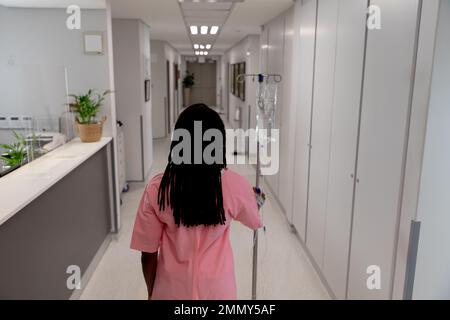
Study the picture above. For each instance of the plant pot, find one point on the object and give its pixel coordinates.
(187, 97)
(90, 132)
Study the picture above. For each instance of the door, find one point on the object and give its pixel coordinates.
(327, 18)
(168, 99)
(350, 44)
(204, 90)
(306, 69)
(384, 120)
(175, 91)
(275, 66)
(226, 94)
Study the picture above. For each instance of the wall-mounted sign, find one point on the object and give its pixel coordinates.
(93, 43)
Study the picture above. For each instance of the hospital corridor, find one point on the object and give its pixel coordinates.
(225, 150)
(278, 246)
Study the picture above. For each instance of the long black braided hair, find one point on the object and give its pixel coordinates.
(194, 190)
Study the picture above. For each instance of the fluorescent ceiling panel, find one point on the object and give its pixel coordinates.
(214, 30)
(194, 30)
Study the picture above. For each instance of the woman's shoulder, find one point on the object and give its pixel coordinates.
(156, 179)
(235, 179)
(153, 183)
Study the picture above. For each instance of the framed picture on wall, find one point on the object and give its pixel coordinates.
(93, 42)
(147, 88)
(236, 83)
(231, 78)
(233, 84)
(242, 83)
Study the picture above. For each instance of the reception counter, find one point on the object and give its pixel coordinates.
(56, 216)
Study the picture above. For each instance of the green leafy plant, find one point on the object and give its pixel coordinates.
(34, 148)
(86, 106)
(16, 153)
(189, 80)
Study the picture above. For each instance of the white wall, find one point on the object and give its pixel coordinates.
(132, 63)
(159, 89)
(128, 94)
(432, 280)
(173, 57)
(145, 74)
(236, 54)
(161, 53)
(33, 57)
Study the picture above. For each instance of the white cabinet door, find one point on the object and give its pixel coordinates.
(321, 126)
(384, 120)
(287, 121)
(304, 89)
(275, 66)
(351, 34)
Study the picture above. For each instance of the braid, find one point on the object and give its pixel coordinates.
(194, 191)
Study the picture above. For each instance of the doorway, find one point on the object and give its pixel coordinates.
(176, 92)
(168, 100)
(204, 90)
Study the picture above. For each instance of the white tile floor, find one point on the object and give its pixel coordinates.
(284, 268)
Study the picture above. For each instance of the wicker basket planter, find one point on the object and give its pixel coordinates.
(90, 132)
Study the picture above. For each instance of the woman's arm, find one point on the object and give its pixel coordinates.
(149, 262)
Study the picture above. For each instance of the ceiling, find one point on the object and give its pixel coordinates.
(201, 15)
(85, 4)
(167, 19)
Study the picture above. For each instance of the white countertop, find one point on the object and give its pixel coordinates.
(25, 184)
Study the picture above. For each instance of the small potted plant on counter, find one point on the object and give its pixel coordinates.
(86, 108)
(16, 153)
(188, 83)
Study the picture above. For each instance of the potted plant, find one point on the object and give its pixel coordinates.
(188, 83)
(16, 153)
(86, 108)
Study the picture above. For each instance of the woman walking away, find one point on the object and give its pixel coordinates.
(185, 214)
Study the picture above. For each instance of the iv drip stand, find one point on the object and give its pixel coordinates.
(261, 77)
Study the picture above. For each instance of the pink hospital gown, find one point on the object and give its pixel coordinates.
(194, 263)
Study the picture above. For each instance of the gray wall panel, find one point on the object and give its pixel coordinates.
(64, 226)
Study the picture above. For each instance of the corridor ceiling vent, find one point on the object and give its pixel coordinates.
(204, 20)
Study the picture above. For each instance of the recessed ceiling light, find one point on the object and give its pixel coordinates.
(197, 53)
(202, 47)
(206, 53)
(214, 29)
(204, 29)
(208, 46)
(196, 46)
(194, 30)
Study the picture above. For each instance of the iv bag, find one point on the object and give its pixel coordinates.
(267, 103)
